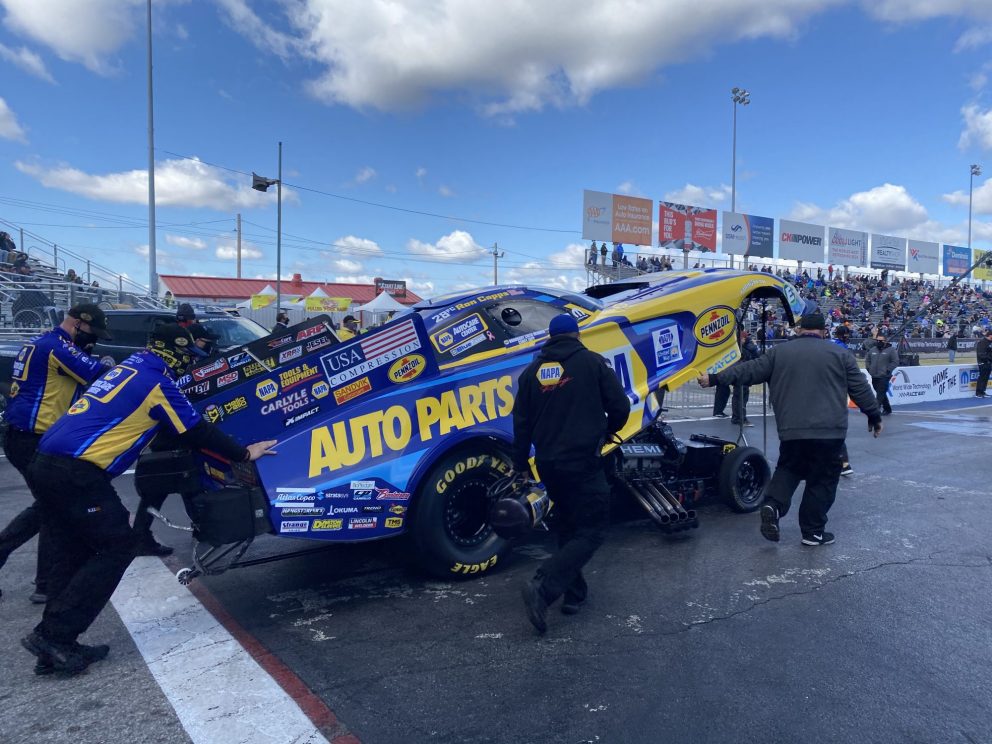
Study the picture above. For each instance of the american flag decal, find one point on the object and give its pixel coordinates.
(386, 341)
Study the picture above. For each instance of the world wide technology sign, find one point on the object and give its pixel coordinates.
(687, 228)
(748, 235)
(616, 218)
(800, 241)
(888, 252)
(924, 257)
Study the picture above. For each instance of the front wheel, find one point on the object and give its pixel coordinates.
(744, 475)
(450, 528)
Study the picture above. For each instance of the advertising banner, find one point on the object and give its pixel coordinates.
(888, 252)
(748, 235)
(924, 257)
(261, 300)
(800, 241)
(983, 273)
(848, 247)
(394, 287)
(932, 383)
(616, 218)
(687, 228)
(957, 260)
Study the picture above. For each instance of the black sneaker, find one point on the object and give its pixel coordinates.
(720, 415)
(571, 606)
(537, 608)
(769, 522)
(63, 657)
(823, 538)
(91, 654)
(747, 423)
(846, 469)
(150, 547)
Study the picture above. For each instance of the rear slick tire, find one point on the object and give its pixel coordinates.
(450, 532)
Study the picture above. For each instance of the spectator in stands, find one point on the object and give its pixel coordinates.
(952, 348)
(70, 275)
(168, 300)
(881, 362)
(592, 254)
(602, 252)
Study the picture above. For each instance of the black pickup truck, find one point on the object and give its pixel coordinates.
(130, 329)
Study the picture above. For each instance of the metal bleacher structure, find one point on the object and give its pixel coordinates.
(37, 301)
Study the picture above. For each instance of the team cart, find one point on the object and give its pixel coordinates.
(406, 429)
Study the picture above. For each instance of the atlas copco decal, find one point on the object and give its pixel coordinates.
(788, 237)
(214, 368)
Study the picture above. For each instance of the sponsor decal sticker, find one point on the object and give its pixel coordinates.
(322, 525)
(282, 341)
(362, 484)
(667, 348)
(297, 376)
(373, 350)
(213, 413)
(373, 508)
(362, 523)
(320, 390)
(309, 332)
(289, 355)
(287, 403)
(266, 390)
(384, 494)
(549, 374)
(397, 509)
(303, 511)
(239, 360)
(301, 416)
(714, 326)
(235, 405)
(300, 525)
(209, 370)
(394, 522)
(406, 368)
(342, 510)
(229, 379)
(352, 390)
(318, 343)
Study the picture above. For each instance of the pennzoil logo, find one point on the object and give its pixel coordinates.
(407, 368)
(266, 389)
(714, 326)
(550, 373)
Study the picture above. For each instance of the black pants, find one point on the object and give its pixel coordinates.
(881, 386)
(20, 447)
(814, 461)
(582, 500)
(983, 377)
(720, 398)
(90, 538)
(738, 406)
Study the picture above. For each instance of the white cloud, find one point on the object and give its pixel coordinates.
(628, 187)
(457, 247)
(540, 275)
(28, 61)
(699, 196)
(365, 175)
(181, 241)
(9, 126)
(977, 128)
(354, 279)
(921, 10)
(178, 183)
(421, 173)
(508, 57)
(346, 265)
(887, 208)
(445, 191)
(574, 256)
(350, 245)
(227, 249)
(982, 202)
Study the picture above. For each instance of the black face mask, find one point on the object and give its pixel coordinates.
(84, 339)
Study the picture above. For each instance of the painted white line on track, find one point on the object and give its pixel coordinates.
(218, 690)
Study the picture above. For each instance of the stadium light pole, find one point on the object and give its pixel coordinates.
(742, 97)
(976, 170)
(260, 183)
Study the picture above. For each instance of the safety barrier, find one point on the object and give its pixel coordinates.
(932, 383)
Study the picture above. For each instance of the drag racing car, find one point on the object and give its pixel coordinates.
(406, 429)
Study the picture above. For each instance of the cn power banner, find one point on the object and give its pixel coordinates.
(983, 273)
(748, 235)
(616, 218)
(800, 241)
(888, 252)
(847, 247)
(957, 260)
(924, 257)
(687, 228)
(930, 383)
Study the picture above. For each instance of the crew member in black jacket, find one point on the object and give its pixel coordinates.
(983, 349)
(568, 404)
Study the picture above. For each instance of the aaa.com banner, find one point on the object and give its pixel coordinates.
(924, 257)
(748, 235)
(888, 252)
(983, 273)
(848, 247)
(687, 228)
(616, 218)
(957, 260)
(800, 241)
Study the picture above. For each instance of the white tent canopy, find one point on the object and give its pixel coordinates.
(319, 292)
(384, 303)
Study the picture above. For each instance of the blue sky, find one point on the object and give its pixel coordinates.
(864, 115)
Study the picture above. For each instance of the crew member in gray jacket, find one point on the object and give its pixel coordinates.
(810, 379)
(881, 361)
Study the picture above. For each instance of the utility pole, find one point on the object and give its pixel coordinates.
(152, 269)
(239, 245)
(497, 255)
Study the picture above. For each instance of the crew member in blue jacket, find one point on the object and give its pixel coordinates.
(98, 439)
(49, 373)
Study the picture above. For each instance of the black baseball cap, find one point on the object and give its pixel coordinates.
(94, 316)
(350, 319)
(813, 322)
(185, 312)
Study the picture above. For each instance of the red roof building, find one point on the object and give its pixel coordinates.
(221, 290)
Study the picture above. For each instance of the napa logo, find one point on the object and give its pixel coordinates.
(407, 368)
(80, 406)
(550, 373)
(320, 390)
(266, 390)
(714, 326)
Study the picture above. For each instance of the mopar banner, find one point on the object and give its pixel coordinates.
(616, 218)
(848, 247)
(924, 257)
(800, 241)
(687, 228)
(924, 384)
(748, 235)
(982, 273)
(888, 252)
(957, 260)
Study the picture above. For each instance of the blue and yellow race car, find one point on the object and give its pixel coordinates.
(406, 428)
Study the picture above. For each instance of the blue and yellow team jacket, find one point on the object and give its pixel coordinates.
(48, 374)
(120, 413)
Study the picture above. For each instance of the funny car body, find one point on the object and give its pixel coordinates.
(404, 429)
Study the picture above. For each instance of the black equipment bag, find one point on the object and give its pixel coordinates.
(230, 515)
(162, 473)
